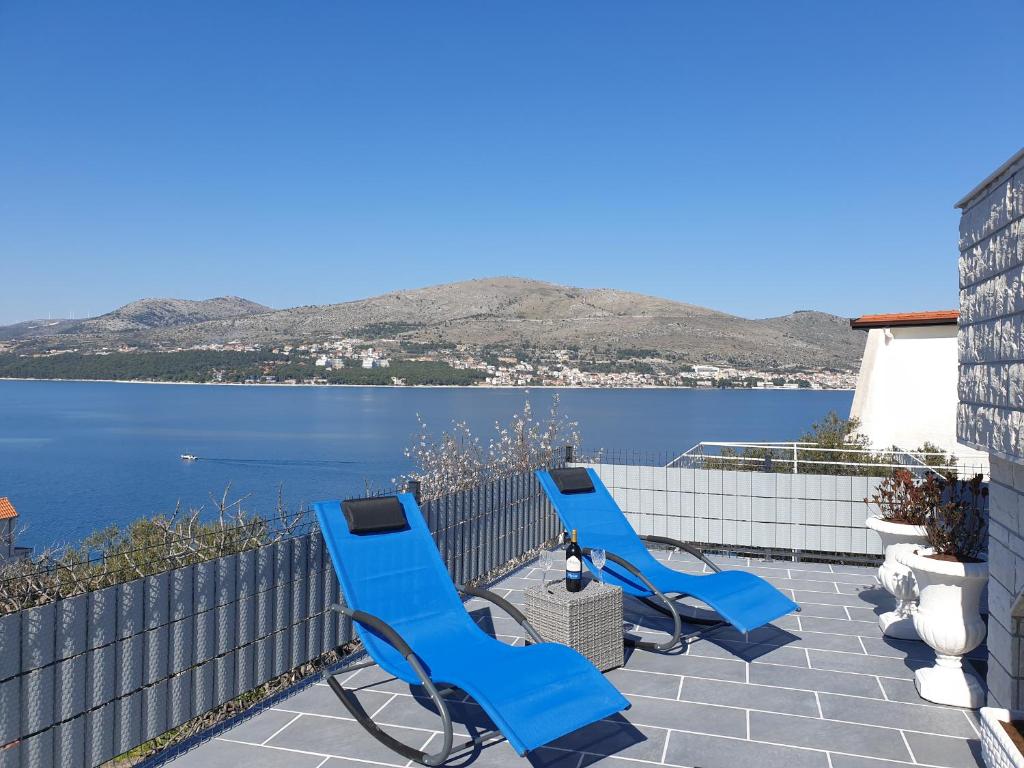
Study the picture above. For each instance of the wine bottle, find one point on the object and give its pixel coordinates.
(573, 565)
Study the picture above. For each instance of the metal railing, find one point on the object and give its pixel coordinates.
(796, 457)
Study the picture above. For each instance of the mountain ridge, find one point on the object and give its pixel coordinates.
(498, 312)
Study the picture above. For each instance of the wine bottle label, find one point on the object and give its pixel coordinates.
(573, 567)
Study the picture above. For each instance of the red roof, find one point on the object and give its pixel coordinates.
(7, 510)
(892, 320)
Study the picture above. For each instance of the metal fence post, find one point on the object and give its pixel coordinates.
(414, 487)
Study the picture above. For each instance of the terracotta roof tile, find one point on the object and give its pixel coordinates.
(942, 317)
(7, 510)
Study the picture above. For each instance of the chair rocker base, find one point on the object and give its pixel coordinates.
(351, 703)
(680, 640)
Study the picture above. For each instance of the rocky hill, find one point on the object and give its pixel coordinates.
(131, 322)
(148, 314)
(496, 312)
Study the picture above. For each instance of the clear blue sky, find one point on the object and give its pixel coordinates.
(753, 157)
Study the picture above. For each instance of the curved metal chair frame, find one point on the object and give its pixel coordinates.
(666, 605)
(436, 694)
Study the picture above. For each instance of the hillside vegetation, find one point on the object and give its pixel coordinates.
(488, 313)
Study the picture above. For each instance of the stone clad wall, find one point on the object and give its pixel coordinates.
(991, 340)
(991, 411)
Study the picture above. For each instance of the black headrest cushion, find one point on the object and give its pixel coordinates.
(572, 480)
(375, 515)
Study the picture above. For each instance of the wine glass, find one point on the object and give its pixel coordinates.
(597, 557)
(547, 562)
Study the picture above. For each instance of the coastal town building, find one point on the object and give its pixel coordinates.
(8, 531)
(991, 408)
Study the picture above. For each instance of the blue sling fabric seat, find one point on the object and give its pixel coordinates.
(742, 599)
(413, 623)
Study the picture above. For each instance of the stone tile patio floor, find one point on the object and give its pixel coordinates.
(822, 689)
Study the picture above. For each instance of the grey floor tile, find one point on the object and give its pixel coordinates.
(501, 755)
(373, 679)
(343, 738)
(900, 649)
(259, 728)
(770, 654)
(945, 751)
(616, 737)
(914, 717)
(823, 570)
(496, 624)
(682, 664)
(815, 680)
(901, 690)
(320, 700)
(420, 713)
(869, 596)
(825, 734)
(523, 582)
(226, 754)
(769, 634)
(840, 626)
(865, 614)
(790, 623)
(763, 697)
(865, 665)
(690, 716)
(850, 761)
(840, 598)
(828, 642)
(863, 578)
(341, 762)
(645, 683)
(689, 749)
(823, 611)
(722, 646)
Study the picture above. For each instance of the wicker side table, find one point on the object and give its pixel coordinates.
(589, 620)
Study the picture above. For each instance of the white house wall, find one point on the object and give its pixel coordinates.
(907, 388)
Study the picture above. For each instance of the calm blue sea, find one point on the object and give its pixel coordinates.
(75, 456)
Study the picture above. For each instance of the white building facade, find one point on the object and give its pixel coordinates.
(991, 409)
(907, 387)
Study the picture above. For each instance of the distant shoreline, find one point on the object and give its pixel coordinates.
(422, 386)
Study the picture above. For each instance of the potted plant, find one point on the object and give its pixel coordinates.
(951, 573)
(1002, 737)
(899, 523)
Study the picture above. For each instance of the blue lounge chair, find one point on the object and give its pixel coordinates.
(739, 598)
(414, 625)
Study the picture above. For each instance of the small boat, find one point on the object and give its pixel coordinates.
(188, 457)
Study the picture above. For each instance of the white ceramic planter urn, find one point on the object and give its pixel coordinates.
(997, 749)
(949, 620)
(896, 578)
